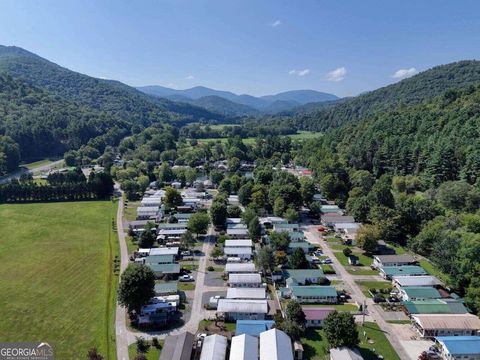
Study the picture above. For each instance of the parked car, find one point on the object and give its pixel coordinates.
(327, 261)
(185, 253)
(186, 278)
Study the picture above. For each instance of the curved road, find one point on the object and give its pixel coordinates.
(124, 336)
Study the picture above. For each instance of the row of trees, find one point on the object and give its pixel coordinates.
(98, 186)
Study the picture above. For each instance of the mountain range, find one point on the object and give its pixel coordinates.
(230, 104)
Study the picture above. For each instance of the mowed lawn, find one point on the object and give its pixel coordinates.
(56, 269)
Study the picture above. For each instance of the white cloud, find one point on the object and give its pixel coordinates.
(189, 77)
(276, 23)
(303, 72)
(404, 73)
(337, 74)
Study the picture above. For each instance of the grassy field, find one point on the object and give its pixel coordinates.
(58, 285)
(379, 285)
(365, 261)
(432, 270)
(152, 354)
(379, 344)
(301, 135)
(38, 163)
(316, 347)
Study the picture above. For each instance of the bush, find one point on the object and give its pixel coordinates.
(155, 342)
(347, 252)
(323, 281)
(211, 268)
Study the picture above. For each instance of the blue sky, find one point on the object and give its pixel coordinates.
(246, 46)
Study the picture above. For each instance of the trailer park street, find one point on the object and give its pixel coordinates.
(194, 291)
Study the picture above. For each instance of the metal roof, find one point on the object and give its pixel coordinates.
(164, 251)
(240, 267)
(166, 287)
(424, 280)
(246, 293)
(316, 313)
(403, 270)
(239, 243)
(237, 250)
(158, 259)
(214, 347)
(178, 347)
(275, 345)
(332, 219)
(244, 347)
(345, 353)
(253, 327)
(243, 306)
(244, 278)
(303, 273)
(237, 231)
(448, 321)
(435, 306)
(405, 258)
(421, 292)
(165, 268)
(460, 345)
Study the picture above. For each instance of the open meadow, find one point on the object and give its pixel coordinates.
(57, 276)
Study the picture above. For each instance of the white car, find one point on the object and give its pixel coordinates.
(185, 253)
(327, 261)
(186, 278)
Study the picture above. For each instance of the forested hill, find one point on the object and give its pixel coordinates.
(414, 90)
(439, 139)
(43, 124)
(117, 99)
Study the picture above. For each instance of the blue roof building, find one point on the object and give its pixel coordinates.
(459, 347)
(253, 327)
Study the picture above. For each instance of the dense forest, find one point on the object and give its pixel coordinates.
(415, 90)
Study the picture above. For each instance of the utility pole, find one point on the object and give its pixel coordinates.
(364, 309)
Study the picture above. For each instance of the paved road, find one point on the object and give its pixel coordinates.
(122, 333)
(357, 295)
(23, 170)
(124, 336)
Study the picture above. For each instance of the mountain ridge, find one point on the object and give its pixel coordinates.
(266, 104)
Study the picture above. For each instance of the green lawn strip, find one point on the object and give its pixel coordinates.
(186, 286)
(130, 211)
(305, 135)
(131, 245)
(63, 282)
(432, 270)
(338, 247)
(152, 354)
(356, 270)
(379, 285)
(332, 239)
(315, 344)
(327, 268)
(380, 343)
(399, 322)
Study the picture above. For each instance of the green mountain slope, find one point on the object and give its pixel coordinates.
(43, 124)
(414, 90)
(439, 138)
(119, 100)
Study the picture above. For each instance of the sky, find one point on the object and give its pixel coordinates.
(246, 46)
